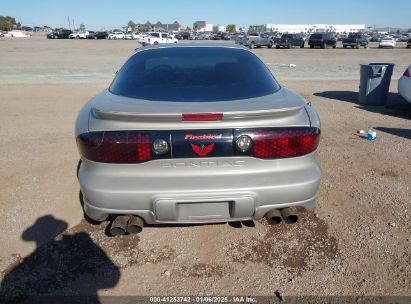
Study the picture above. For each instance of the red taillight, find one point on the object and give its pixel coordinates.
(115, 146)
(406, 73)
(202, 117)
(281, 143)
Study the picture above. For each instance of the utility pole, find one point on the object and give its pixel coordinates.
(68, 18)
(74, 27)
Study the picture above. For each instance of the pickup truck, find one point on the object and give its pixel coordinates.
(289, 41)
(355, 41)
(157, 38)
(257, 40)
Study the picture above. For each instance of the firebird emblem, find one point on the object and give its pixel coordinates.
(202, 150)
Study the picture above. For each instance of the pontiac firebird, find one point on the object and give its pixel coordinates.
(196, 104)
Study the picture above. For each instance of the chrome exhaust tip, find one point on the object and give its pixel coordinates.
(135, 224)
(289, 215)
(119, 225)
(273, 217)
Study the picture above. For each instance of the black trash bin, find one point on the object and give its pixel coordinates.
(375, 79)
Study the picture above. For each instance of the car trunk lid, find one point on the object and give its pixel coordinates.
(112, 112)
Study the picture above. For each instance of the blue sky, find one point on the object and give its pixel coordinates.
(96, 14)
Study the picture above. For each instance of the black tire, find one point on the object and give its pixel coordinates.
(323, 46)
(357, 46)
(311, 46)
(408, 46)
(277, 46)
(302, 45)
(258, 46)
(344, 46)
(365, 45)
(252, 45)
(270, 45)
(334, 46)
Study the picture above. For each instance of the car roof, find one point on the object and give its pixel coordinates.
(201, 44)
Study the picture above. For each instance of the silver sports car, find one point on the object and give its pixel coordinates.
(196, 133)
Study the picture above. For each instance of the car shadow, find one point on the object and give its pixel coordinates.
(396, 106)
(405, 133)
(69, 268)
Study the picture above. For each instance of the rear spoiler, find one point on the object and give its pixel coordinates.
(162, 117)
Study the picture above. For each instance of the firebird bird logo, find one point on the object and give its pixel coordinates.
(202, 150)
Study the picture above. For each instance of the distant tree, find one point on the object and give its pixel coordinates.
(398, 31)
(7, 23)
(188, 29)
(409, 30)
(231, 28)
(82, 28)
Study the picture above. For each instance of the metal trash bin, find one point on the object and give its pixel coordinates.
(375, 79)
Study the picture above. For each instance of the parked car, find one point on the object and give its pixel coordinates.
(59, 34)
(17, 34)
(257, 40)
(116, 35)
(183, 36)
(289, 41)
(158, 38)
(323, 41)
(79, 35)
(404, 85)
(405, 37)
(409, 43)
(387, 42)
(355, 41)
(190, 133)
(1, 34)
(98, 35)
(129, 36)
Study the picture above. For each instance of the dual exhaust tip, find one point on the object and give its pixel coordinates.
(130, 224)
(276, 216)
(126, 224)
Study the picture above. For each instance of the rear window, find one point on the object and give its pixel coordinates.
(194, 74)
(316, 36)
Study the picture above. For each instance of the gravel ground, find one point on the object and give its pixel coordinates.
(357, 241)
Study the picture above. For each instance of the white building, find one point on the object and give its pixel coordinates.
(219, 28)
(208, 27)
(312, 28)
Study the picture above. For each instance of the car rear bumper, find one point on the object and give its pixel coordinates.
(199, 190)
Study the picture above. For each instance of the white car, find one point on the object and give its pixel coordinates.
(404, 85)
(17, 34)
(158, 38)
(116, 35)
(387, 42)
(79, 35)
(129, 36)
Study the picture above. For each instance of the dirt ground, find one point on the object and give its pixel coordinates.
(357, 241)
